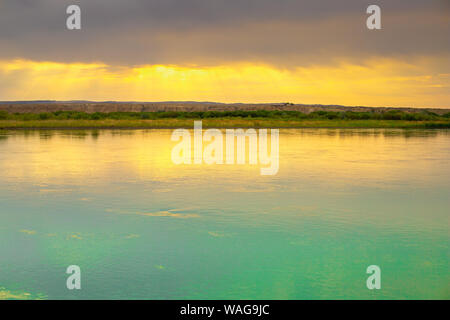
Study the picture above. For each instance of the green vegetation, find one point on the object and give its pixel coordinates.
(271, 114)
(225, 119)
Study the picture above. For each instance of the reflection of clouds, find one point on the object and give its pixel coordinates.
(162, 190)
(253, 189)
(52, 235)
(307, 208)
(75, 236)
(218, 234)
(18, 295)
(30, 232)
(132, 236)
(55, 191)
(168, 214)
(172, 213)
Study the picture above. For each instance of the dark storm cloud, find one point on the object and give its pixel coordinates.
(287, 32)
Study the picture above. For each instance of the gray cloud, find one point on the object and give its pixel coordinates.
(284, 32)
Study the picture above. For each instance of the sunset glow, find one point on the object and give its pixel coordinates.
(378, 82)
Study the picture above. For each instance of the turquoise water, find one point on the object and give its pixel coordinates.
(140, 227)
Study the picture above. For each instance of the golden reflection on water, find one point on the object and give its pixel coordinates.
(365, 156)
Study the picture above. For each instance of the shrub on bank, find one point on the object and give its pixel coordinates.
(258, 114)
(3, 115)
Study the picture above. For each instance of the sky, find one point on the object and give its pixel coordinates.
(300, 51)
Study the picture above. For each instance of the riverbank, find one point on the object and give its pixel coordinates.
(219, 123)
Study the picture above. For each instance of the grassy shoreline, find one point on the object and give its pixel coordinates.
(170, 123)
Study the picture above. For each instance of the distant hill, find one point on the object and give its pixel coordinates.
(190, 106)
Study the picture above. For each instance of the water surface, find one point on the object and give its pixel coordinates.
(140, 227)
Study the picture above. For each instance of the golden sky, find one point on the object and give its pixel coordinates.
(228, 51)
(375, 83)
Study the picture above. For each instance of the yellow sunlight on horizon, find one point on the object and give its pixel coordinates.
(377, 82)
